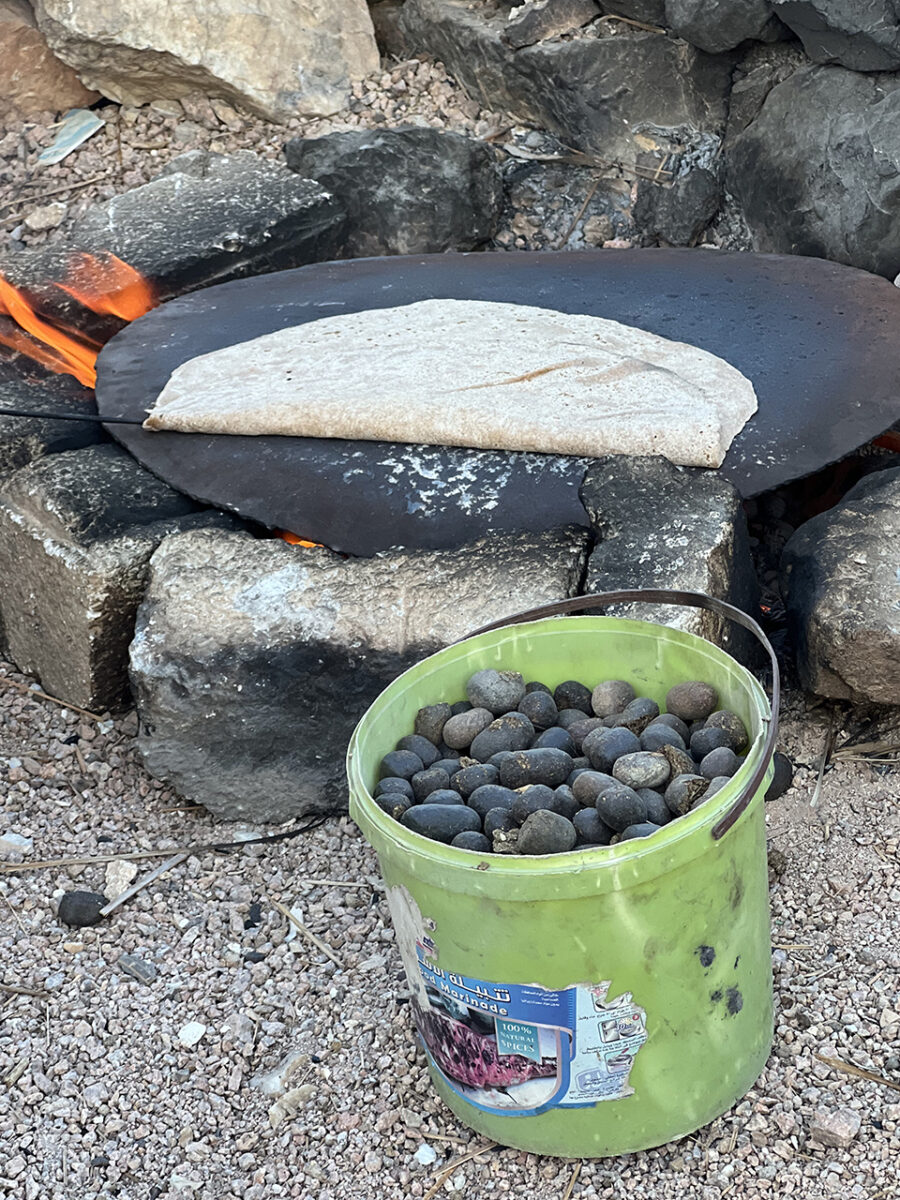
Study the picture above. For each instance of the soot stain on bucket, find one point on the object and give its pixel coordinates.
(736, 895)
(707, 956)
(734, 1001)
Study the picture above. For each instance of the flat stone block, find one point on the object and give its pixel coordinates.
(76, 533)
(253, 660)
(682, 528)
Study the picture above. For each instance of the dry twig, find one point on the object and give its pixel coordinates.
(451, 1167)
(69, 187)
(310, 937)
(23, 687)
(588, 198)
(860, 1072)
(571, 1187)
(141, 883)
(13, 989)
(629, 21)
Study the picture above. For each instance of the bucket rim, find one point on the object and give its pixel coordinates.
(635, 851)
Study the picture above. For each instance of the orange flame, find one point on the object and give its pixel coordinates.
(293, 540)
(104, 285)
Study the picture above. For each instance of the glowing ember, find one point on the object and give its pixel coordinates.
(293, 540)
(104, 285)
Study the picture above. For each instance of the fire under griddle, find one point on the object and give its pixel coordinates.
(819, 341)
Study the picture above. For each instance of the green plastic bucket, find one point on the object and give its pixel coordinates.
(606, 1000)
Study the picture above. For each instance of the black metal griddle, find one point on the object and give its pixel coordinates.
(820, 342)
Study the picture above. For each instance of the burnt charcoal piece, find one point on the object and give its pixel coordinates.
(572, 694)
(425, 782)
(546, 832)
(393, 783)
(490, 796)
(589, 785)
(426, 750)
(673, 722)
(721, 761)
(657, 809)
(783, 777)
(692, 701)
(579, 731)
(80, 909)
(534, 798)
(471, 839)
(548, 766)
(683, 791)
(557, 739)
(498, 691)
(655, 737)
(394, 804)
(466, 780)
(443, 796)
(611, 697)
(642, 770)
(705, 740)
(641, 830)
(508, 733)
(401, 763)
(462, 728)
(638, 714)
(621, 806)
(591, 830)
(539, 707)
(567, 805)
(498, 818)
(440, 822)
(679, 761)
(430, 721)
(732, 724)
(604, 746)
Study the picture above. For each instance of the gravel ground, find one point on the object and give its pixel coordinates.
(100, 1097)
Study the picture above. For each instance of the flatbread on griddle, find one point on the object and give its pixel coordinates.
(468, 373)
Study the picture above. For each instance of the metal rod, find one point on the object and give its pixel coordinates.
(59, 416)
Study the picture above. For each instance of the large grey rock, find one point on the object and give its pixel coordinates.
(405, 191)
(541, 19)
(208, 219)
(718, 25)
(252, 660)
(661, 526)
(76, 533)
(651, 12)
(634, 96)
(32, 79)
(677, 213)
(278, 58)
(861, 34)
(840, 581)
(818, 171)
(761, 68)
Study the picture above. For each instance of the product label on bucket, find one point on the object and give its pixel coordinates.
(517, 1049)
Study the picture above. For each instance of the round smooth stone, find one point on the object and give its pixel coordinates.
(589, 785)
(498, 818)
(540, 709)
(401, 763)
(430, 721)
(471, 839)
(683, 791)
(499, 691)
(604, 746)
(611, 697)
(461, 730)
(706, 740)
(642, 770)
(621, 806)
(490, 796)
(394, 804)
(393, 783)
(722, 761)
(731, 723)
(443, 796)
(440, 822)
(558, 739)
(655, 737)
(468, 779)
(426, 782)
(692, 701)
(591, 830)
(673, 722)
(783, 777)
(657, 809)
(548, 766)
(426, 750)
(532, 799)
(546, 832)
(512, 731)
(638, 714)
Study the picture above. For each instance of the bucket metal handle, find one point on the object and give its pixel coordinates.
(688, 600)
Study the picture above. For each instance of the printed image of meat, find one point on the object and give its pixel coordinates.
(471, 1058)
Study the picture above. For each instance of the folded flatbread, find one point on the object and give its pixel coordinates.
(468, 373)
